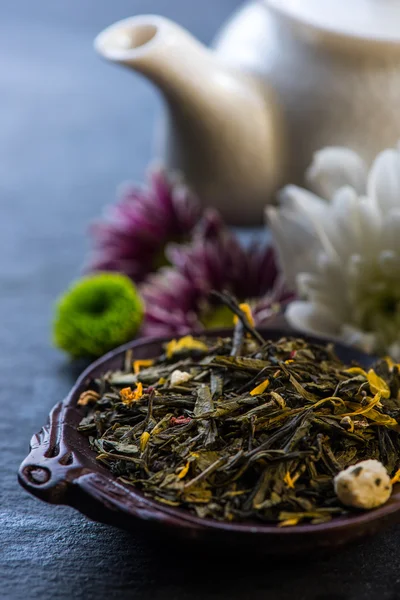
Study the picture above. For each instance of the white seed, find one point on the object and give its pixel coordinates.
(178, 377)
(364, 485)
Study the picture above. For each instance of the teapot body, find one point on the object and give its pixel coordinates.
(334, 89)
(245, 118)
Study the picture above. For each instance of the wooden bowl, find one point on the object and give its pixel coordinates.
(62, 469)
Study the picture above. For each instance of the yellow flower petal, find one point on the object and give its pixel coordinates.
(390, 362)
(288, 480)
(377, 384)
(144, 439)
(170, 348)
(161, 425)
(382, 419)
(185, 343)
(260, 388)
(141, 364)
(288, 522)
(247, 311)
(184, 471)
(395, 478)
(364, 409)
(356, 371)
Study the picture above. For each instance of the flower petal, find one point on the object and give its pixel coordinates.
(391, 230)
(334, 167)
(296, 245)
(312, 318)
(132, 235)
(343, 227)
(384, 180)
(389, 263)
(177, 298)
(314, 213)
(302, 228)
(312, 207)
(323, 291)
(370, 225)
(344, 254)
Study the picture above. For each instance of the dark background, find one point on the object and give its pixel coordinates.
(71, 129)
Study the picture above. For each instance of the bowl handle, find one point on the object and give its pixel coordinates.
(50, 467)
(53, 473)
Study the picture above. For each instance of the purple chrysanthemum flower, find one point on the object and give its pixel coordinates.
(132, 237)
(178, 298)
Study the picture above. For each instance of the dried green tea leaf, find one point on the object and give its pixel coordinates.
(214, 448)
(204, 403)
(126, 448)
(242, 363)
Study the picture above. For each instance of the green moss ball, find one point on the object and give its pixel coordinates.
(96, 314)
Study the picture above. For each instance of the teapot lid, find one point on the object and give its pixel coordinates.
(369, 19)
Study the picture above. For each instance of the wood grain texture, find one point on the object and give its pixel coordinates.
(70, 131)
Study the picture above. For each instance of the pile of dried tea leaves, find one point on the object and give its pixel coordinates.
(242, 428)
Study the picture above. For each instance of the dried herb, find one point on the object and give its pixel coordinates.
(244, 428)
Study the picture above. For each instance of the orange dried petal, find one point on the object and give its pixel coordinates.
(139, 391)
(247, 311)
(141, 364)
(184, 471)
(260, 388)
(128, 396)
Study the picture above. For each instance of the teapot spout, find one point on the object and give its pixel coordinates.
(154, 46)
(224, 128)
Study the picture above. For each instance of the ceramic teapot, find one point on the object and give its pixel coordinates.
(284, 79)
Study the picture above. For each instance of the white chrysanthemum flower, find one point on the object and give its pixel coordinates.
(342, 253)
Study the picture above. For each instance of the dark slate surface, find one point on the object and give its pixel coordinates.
(71, 129)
